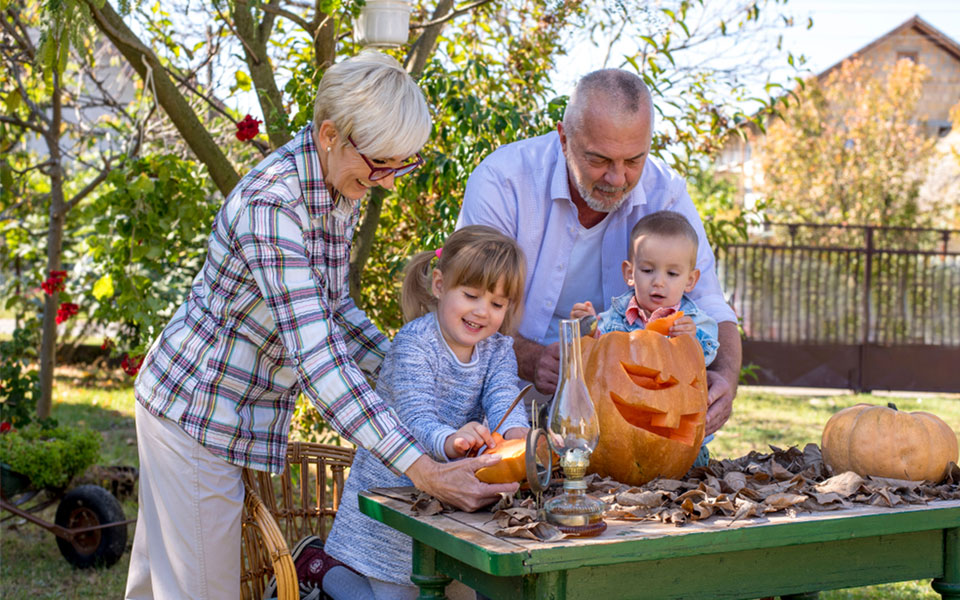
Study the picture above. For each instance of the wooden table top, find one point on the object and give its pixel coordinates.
(467, 534)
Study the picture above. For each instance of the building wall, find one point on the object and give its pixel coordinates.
(941, 91)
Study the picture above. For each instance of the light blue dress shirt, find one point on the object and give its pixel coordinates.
(522, 189)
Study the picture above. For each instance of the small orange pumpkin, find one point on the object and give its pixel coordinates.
(663, 324)
(650, 394)
(512, 466)
(885, 442)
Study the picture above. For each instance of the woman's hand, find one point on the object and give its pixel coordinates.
(683, 325)
(456, 482)
(471, 435)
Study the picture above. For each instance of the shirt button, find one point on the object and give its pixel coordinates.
(560, 267)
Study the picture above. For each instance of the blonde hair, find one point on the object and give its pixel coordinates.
(370, 97)
(477, 256)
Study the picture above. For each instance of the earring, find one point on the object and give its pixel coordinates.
(328, 148)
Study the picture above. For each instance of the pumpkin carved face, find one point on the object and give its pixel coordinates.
(650, 394)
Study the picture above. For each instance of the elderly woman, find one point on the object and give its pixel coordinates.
(269, 317)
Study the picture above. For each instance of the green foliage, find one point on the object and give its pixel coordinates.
(147, 241)
(19, 381)
(50, 457)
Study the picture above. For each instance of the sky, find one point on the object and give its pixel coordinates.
(840, 27)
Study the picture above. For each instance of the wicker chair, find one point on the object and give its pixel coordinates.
(279, 511)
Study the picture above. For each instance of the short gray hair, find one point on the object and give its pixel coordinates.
(372, 98)
(624, 90)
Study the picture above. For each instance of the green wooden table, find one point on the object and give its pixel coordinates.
(706, 559)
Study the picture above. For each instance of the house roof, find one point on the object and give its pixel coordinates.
(915, 22)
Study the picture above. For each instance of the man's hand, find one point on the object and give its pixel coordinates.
(723, 376)
(471, 435)
(719, 401)
(456, 482)
(538, 364)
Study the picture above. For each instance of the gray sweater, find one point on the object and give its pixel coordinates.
(434, 394)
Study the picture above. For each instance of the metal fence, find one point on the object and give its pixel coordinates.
(835, 286)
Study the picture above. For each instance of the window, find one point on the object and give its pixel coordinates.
(907, 54)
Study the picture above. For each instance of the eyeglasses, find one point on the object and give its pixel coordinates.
(378, 172)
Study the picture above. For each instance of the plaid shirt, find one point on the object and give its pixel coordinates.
(269, 316)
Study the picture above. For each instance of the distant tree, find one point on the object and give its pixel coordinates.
(849, 149)
(940, 192)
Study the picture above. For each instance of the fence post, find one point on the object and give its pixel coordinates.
(867, 285)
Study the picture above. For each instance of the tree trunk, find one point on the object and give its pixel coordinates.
(168, 96)
(363, 240)
(48, 345)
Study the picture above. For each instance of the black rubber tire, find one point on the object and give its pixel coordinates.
(87, 506)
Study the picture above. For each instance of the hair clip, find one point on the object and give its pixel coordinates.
(438, 252)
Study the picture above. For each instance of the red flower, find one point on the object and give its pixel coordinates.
(131, 366)
(5, 427)
(248, 128)
(54, 283)
(107, 344)
(66, 311)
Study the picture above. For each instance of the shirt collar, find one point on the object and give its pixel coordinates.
(634, 312)
(317, 198)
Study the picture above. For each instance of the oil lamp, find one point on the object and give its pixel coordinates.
(573, 432)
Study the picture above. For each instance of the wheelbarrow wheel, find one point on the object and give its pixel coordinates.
(88, 506)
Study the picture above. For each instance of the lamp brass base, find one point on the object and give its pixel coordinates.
(591, 530)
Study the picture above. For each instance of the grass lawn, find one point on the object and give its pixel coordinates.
(31, 566)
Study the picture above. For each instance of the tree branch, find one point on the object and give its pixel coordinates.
(309, 27)
(453, 15)
(179, 111)
(426, 44)
(17, 122)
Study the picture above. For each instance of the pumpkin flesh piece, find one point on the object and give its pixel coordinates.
(663, 324)
(512, 466)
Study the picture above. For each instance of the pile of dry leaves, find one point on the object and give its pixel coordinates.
(752, 486)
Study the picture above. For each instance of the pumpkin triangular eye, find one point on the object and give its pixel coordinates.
(648, 378)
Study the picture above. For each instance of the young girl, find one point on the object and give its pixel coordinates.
(450, 366)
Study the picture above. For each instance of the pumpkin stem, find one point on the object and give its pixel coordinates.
(891, 405)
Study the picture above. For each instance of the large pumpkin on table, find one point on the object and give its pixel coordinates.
(885, 442)
(650, 394)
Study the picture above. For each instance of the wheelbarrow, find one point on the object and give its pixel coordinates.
(90, 526)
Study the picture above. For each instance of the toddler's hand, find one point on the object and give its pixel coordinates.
(582, 309)
(683, 325)
(471, 435)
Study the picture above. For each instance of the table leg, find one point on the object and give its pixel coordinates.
(432, 584)
(948, 586)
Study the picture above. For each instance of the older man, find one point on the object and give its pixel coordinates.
(570, 199)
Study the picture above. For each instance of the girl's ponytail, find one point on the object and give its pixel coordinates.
(416, 293)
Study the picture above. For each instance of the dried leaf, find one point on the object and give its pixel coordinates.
(781, 501)
(539, 531)
(735, 480)
(846, 484)
(642, 499)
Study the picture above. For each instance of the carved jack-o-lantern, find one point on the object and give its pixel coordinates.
(650, 394)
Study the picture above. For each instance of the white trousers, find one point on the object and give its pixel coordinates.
(187, 540)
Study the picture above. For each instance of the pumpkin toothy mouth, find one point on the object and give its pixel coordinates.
(679, 428)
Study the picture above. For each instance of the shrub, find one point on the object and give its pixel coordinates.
(49, 457)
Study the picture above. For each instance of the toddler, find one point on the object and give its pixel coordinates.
(661, 268)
